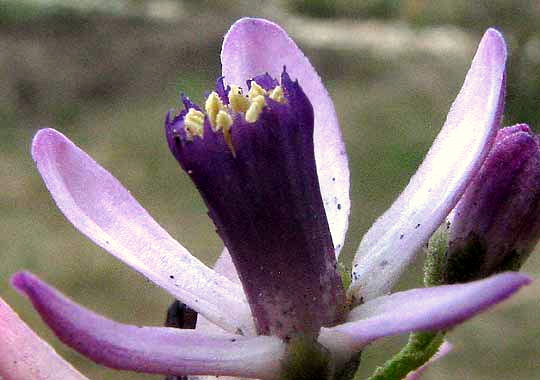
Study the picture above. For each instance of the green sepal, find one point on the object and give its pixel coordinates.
(345, 274)
(348, 371)
(418, 350)
(307, 360)
(434, 266)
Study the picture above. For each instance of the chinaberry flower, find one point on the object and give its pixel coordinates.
(496, 224)
(271, 167)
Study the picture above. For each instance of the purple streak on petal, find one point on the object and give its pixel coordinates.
(425, 309)
(158, 350)
(24, 355)
(456, 155)
(102, 209)
(445, 349)
(266, 204)
(255, 46)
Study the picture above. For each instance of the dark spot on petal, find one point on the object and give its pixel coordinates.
(401, 236)
(383, 263)
(339, 206)
(233, 340)
(171, 276)
(418, 225)
(334, 179)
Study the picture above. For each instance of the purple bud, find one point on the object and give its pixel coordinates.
(496, 224)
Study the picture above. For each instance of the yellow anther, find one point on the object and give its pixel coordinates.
(255, 90)
(277, 94)
(194, 123)
(237, 100)
(224, 121)
(255, 108)
(212, 106)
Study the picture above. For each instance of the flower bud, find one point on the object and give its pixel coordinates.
(496, 224)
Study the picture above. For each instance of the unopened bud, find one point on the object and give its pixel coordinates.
(496, 223)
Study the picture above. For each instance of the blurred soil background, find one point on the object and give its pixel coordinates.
(105, 73)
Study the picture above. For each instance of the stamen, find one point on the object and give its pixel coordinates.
(194, 123)
(255, 90)
(277, 94)
(237, 100)
(213, 106)
(224, 122)
(255, 108)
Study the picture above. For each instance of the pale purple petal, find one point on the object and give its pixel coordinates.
(256, 46)
(445, 349)
(425, 309)
(225, 266)
(24, 355)
(102, 209)
(457, 153)
(159, 350)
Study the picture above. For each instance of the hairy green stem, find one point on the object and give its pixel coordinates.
(418, 350)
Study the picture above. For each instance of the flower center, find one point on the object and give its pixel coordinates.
(252, 158)
(220, 112)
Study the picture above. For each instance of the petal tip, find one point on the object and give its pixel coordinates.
(492, 47)
(251, 21)
(20, 281)
(43, 138)
(517, 279)
(247, 26)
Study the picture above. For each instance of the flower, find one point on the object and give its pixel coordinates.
(496, 223)
(273, 172)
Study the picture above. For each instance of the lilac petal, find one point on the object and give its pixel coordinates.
(159, 350)
(225, 266)
(445, 349)
(102, 209)
(425, 309)
(255, 46)
(456, 155)
(24, 355)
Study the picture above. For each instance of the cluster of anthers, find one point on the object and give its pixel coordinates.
(220, 112)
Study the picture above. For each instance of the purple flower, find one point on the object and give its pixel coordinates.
(496, 224)
(273, 172)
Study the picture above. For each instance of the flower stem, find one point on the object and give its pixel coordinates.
(418, 350)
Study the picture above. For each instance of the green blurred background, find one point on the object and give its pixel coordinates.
(105, 72)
